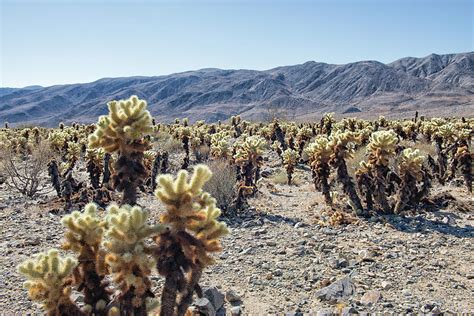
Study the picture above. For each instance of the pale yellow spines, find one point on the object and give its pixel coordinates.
(46, 278)
(220, 147)
(251, 148)
(382, 146)
(345, 142)
(446, 132)
(83, 228)
(73, 150)
(304, 132)
(127, 230)
(290, 157)
(320, 149)
(411, 162)
(128, 121)
(189, 208)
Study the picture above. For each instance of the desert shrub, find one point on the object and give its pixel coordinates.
(222, 184)
(279, 177)
(26, 174)
(166, 142)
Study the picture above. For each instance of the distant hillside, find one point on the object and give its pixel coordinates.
(433, 85)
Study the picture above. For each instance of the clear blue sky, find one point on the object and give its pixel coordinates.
(63, 41)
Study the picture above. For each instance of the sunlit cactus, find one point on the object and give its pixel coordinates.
(342, 144)
(220, 147)
(381, 149)
(463, 158)
(249, 157)
(95, 165)
(84, 236)
(319, 153)
(127, 258)
(123, 131)
(290, 160)
(184, 251)
(410, 167)
(48, 282)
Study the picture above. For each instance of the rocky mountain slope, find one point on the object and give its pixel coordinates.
(433, 85)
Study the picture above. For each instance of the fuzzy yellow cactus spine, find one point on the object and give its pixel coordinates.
(127, 257)
(84, 236)
(290, 160)
(122, 131)
(48, 282)
(194, 233)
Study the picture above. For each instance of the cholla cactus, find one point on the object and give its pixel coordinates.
(184, 133)
(342, 144)
(381, 148)
(83, 236)
(72, 155)
(319, 153)
(48, 282)
(220, 147)
(326, 123)
(194, 233)
(249, 158)
(127, 257)
(302, 136)
(95, 165)
(463, 158)
(122, 131)
(290, 160)
(411, 170)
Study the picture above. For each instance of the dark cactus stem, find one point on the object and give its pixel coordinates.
(90, 282)
(465, 161)
(67, 189)
(347, 183)
(416, 117)
(289, 173)
(291, 142)
(106, 175)
(54, 174)
(364, 182)
(187, 297)
(128, 176)
(94, 173)
(280, 136)
(320, 178)
(442, 160)
(407, 190)
(155, 170)
(164, 162)
(185, 141)
(380, 193)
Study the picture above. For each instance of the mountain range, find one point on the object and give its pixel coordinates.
(432, 85)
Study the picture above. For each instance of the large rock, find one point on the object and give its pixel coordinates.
(337, 291)
(214, 296)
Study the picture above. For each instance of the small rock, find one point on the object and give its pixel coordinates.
(386, 285)
(205, 307)
(278, 272)
(338, 290)
(231, 296)
(346, 311)
(214, 296)
(236, 311)
(370, 298)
